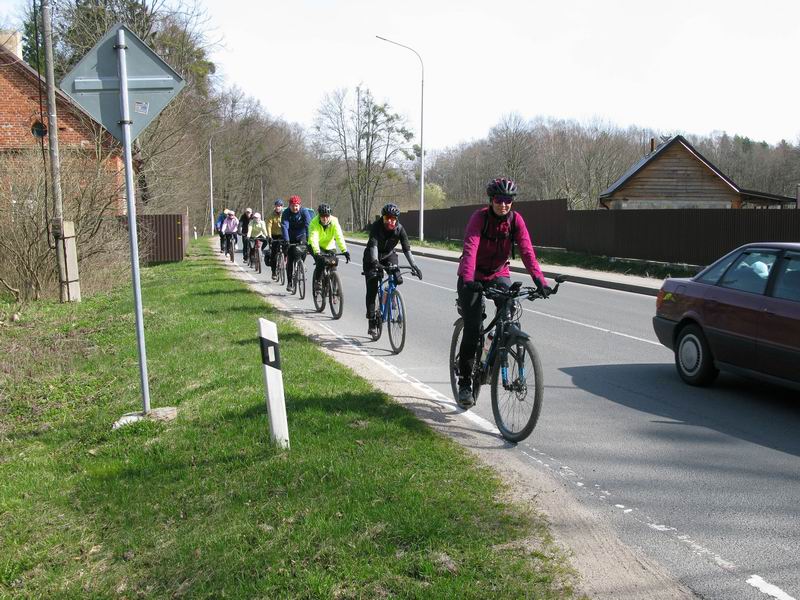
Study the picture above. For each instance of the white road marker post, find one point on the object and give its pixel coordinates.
(273, 382)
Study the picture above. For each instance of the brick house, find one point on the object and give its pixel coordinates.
(23, 120)
(676, 175)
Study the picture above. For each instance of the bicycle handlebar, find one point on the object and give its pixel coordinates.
(517, 291)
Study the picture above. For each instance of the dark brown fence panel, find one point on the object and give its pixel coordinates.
(162, 238)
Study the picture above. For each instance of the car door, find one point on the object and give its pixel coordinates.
(734, 307)
(778, 346)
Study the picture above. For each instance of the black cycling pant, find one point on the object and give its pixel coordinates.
(372, 274)
(228, 238)
(273, 251)
(470, 302)
(245, 246)
(295, 253)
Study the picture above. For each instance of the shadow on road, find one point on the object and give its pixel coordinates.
(752, 411)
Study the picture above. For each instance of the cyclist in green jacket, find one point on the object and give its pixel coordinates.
(324, 235)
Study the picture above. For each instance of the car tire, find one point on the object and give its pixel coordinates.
(693, 357)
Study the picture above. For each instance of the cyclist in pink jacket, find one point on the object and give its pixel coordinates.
(488, 242)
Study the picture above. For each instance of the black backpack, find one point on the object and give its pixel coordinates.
(511, 231)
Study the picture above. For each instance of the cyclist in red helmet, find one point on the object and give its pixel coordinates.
(490, 234)
(294, 223)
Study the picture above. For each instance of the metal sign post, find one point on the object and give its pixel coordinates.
(117, 77)
(132, 232)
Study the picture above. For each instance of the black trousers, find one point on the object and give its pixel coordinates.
(295, 253)
(470, 303)
(372, 274)
(273, 250)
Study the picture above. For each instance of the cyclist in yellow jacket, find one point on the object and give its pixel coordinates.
(276, 234)
(324, 235)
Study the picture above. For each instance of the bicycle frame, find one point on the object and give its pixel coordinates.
(385, 289)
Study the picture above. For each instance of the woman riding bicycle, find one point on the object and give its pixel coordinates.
(229, 228)
(488, 241)
(257, 230)
(384, 234)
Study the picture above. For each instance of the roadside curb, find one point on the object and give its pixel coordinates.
(571, 276)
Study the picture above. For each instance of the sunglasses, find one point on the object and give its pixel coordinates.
(502, 199)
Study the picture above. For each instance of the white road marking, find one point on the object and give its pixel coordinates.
(768, 589)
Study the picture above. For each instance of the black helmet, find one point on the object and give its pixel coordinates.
(390, 210)
(501, 186)
(324, 210)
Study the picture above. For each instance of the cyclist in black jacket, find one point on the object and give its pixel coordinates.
(384, 234)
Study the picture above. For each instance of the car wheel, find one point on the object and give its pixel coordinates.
(693, 357)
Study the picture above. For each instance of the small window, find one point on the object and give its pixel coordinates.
(787, 283)
(712, 274)
(749, 272)
(38, 129)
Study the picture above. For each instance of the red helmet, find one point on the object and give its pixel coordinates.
(295, 200)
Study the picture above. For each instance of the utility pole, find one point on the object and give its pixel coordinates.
(64, 233)
(263, 214)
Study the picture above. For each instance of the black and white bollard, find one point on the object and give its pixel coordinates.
(273, 382)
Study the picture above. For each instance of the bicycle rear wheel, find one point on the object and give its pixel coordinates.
(300, 279)
(319, 295)
(397, 322)
(516, 406)
(336, 298)
(455, 347)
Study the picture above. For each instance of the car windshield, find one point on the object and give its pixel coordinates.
(712, 274)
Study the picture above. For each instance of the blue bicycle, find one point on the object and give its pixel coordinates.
(390, 308)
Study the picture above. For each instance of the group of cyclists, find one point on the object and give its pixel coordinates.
(489, 239)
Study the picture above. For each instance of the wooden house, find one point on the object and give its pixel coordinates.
(676, 175)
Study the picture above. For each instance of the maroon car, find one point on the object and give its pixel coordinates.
(740, 314)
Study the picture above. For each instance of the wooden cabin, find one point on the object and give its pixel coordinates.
(676, 175)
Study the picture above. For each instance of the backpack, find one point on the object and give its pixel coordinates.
(511, 231)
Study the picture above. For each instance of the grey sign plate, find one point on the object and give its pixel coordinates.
(94, 83)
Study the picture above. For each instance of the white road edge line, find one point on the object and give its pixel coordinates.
(768, 589)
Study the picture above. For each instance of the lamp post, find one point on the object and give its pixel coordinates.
(211, 182)
(421, 138)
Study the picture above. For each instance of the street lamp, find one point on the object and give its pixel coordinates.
(421, 139)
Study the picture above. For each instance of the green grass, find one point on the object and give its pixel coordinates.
(368, 503)
(551, 257)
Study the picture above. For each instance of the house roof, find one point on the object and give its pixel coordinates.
(679, 139)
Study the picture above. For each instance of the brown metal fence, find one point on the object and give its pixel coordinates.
(162, 238)
(693, 236)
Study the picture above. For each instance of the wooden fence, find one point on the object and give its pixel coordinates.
(693, 236)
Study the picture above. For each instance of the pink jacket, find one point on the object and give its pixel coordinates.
(230, 225)
(486, 257)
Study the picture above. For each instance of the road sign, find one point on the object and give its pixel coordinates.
(94, 83)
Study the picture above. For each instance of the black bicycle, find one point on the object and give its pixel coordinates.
(330, 286)
(280, 264)
(391, 309)
(230, 244)
(511, 363)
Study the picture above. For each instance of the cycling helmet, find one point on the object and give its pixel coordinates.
(295, 200)
(279, 202)
(501, 186)
(324, 210)
(390, 210)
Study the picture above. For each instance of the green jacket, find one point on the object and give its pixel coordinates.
(257, 229)
(320, 237)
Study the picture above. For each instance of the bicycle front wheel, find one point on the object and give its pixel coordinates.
(378, 318)
(231, 249)
(281, 265)
(255, 258)
(517, 395)
(300, 279)
(336, 296)
(396, 325)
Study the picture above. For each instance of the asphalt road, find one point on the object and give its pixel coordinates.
(705, 482)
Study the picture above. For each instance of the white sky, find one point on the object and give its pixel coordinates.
(692, 66)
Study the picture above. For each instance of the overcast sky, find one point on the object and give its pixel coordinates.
(690, 66)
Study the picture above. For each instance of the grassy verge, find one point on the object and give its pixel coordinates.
(369, 503)
(565, 258)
